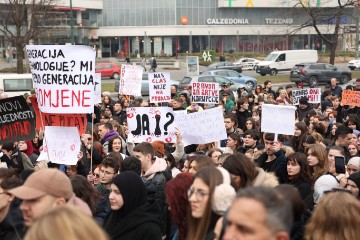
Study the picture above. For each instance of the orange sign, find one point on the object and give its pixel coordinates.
(184, 20)
(351, 98)
(62, 120)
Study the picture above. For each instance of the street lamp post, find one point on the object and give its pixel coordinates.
(71, 24)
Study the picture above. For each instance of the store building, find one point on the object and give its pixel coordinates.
(165, 27)
(168, 27)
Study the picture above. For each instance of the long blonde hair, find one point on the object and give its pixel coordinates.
(337, 216)
(65, 222)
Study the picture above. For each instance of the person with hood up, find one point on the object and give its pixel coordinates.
(131, 214)
(106, 132)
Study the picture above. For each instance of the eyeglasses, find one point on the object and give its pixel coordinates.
(106, 172)
(199, 194)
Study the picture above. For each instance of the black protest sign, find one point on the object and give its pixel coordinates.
(17, 121)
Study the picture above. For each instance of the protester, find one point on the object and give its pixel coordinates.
(353, 184)
(11, 220)
(44, 190)
(317, 160)
(14, 158)
(332, 220)
(65, 222)
(214, 154)
(244, 173)
(131, 215)
(267, 215)
(198, 162)
(299, 174)
(273, 159)
(176, 195)
(106, 132)
(209, 196)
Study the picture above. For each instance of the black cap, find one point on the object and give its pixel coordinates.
(303, 100)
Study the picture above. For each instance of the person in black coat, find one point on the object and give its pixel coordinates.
(132, 216)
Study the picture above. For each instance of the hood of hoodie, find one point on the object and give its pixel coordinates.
(159, 165)
(110, 134)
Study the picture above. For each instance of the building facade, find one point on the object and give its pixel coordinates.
(168, 27)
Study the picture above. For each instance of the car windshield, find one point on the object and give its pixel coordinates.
(271, 57)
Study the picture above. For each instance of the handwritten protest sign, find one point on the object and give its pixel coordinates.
(64, 120)
(205, 92)
(192, 63)
(63, 76)
(17, 122)
(206, 126)
(278, 119)
(351, 98)
(130, 80)
(97, 88)
(313, 95)
(150, 124)
(63, 144)
(159, 87)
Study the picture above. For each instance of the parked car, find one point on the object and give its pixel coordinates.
(353, 64)
(224, 65)
(144, 85)
(234, 76)
(110, 70)
(315, 73)
(247, 63)
(187, 80)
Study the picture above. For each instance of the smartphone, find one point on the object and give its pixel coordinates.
(339, 164)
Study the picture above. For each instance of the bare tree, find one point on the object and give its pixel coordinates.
(22, 21)
(319, 17)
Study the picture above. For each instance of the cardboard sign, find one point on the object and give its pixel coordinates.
(63, 120)
(202, 127)
(97, 88)
(151, 124)
(313, 95)
(205, 92)
(130, 80)
(64, 77)
(192, 63)
(278, 119)
(63, 144)
(17, 121)
(159, 87)
(351, 98)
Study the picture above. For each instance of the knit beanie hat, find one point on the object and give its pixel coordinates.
(223, 195)
(303, 100)
(158, 146)
(355, 161)
(355, 177)
(324, 183)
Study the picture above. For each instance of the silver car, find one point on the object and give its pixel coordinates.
(144, 85)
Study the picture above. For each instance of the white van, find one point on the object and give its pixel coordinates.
(16, 84)
(285, 60)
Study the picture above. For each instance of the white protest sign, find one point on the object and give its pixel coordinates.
(44, 153)
(313, 95)
(202, 127)
(97, 88)
(63, 144)
(205, 92)
(130, 80)
(159, 87)
(278, 119)
(192, 63)
(63, 76)
(151, 124)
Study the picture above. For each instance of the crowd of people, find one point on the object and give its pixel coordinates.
(247, 186)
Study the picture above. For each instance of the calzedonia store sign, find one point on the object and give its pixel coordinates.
(227, 21)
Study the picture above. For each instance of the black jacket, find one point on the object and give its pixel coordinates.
(12, 227)
(140, 224)
(279, 166)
